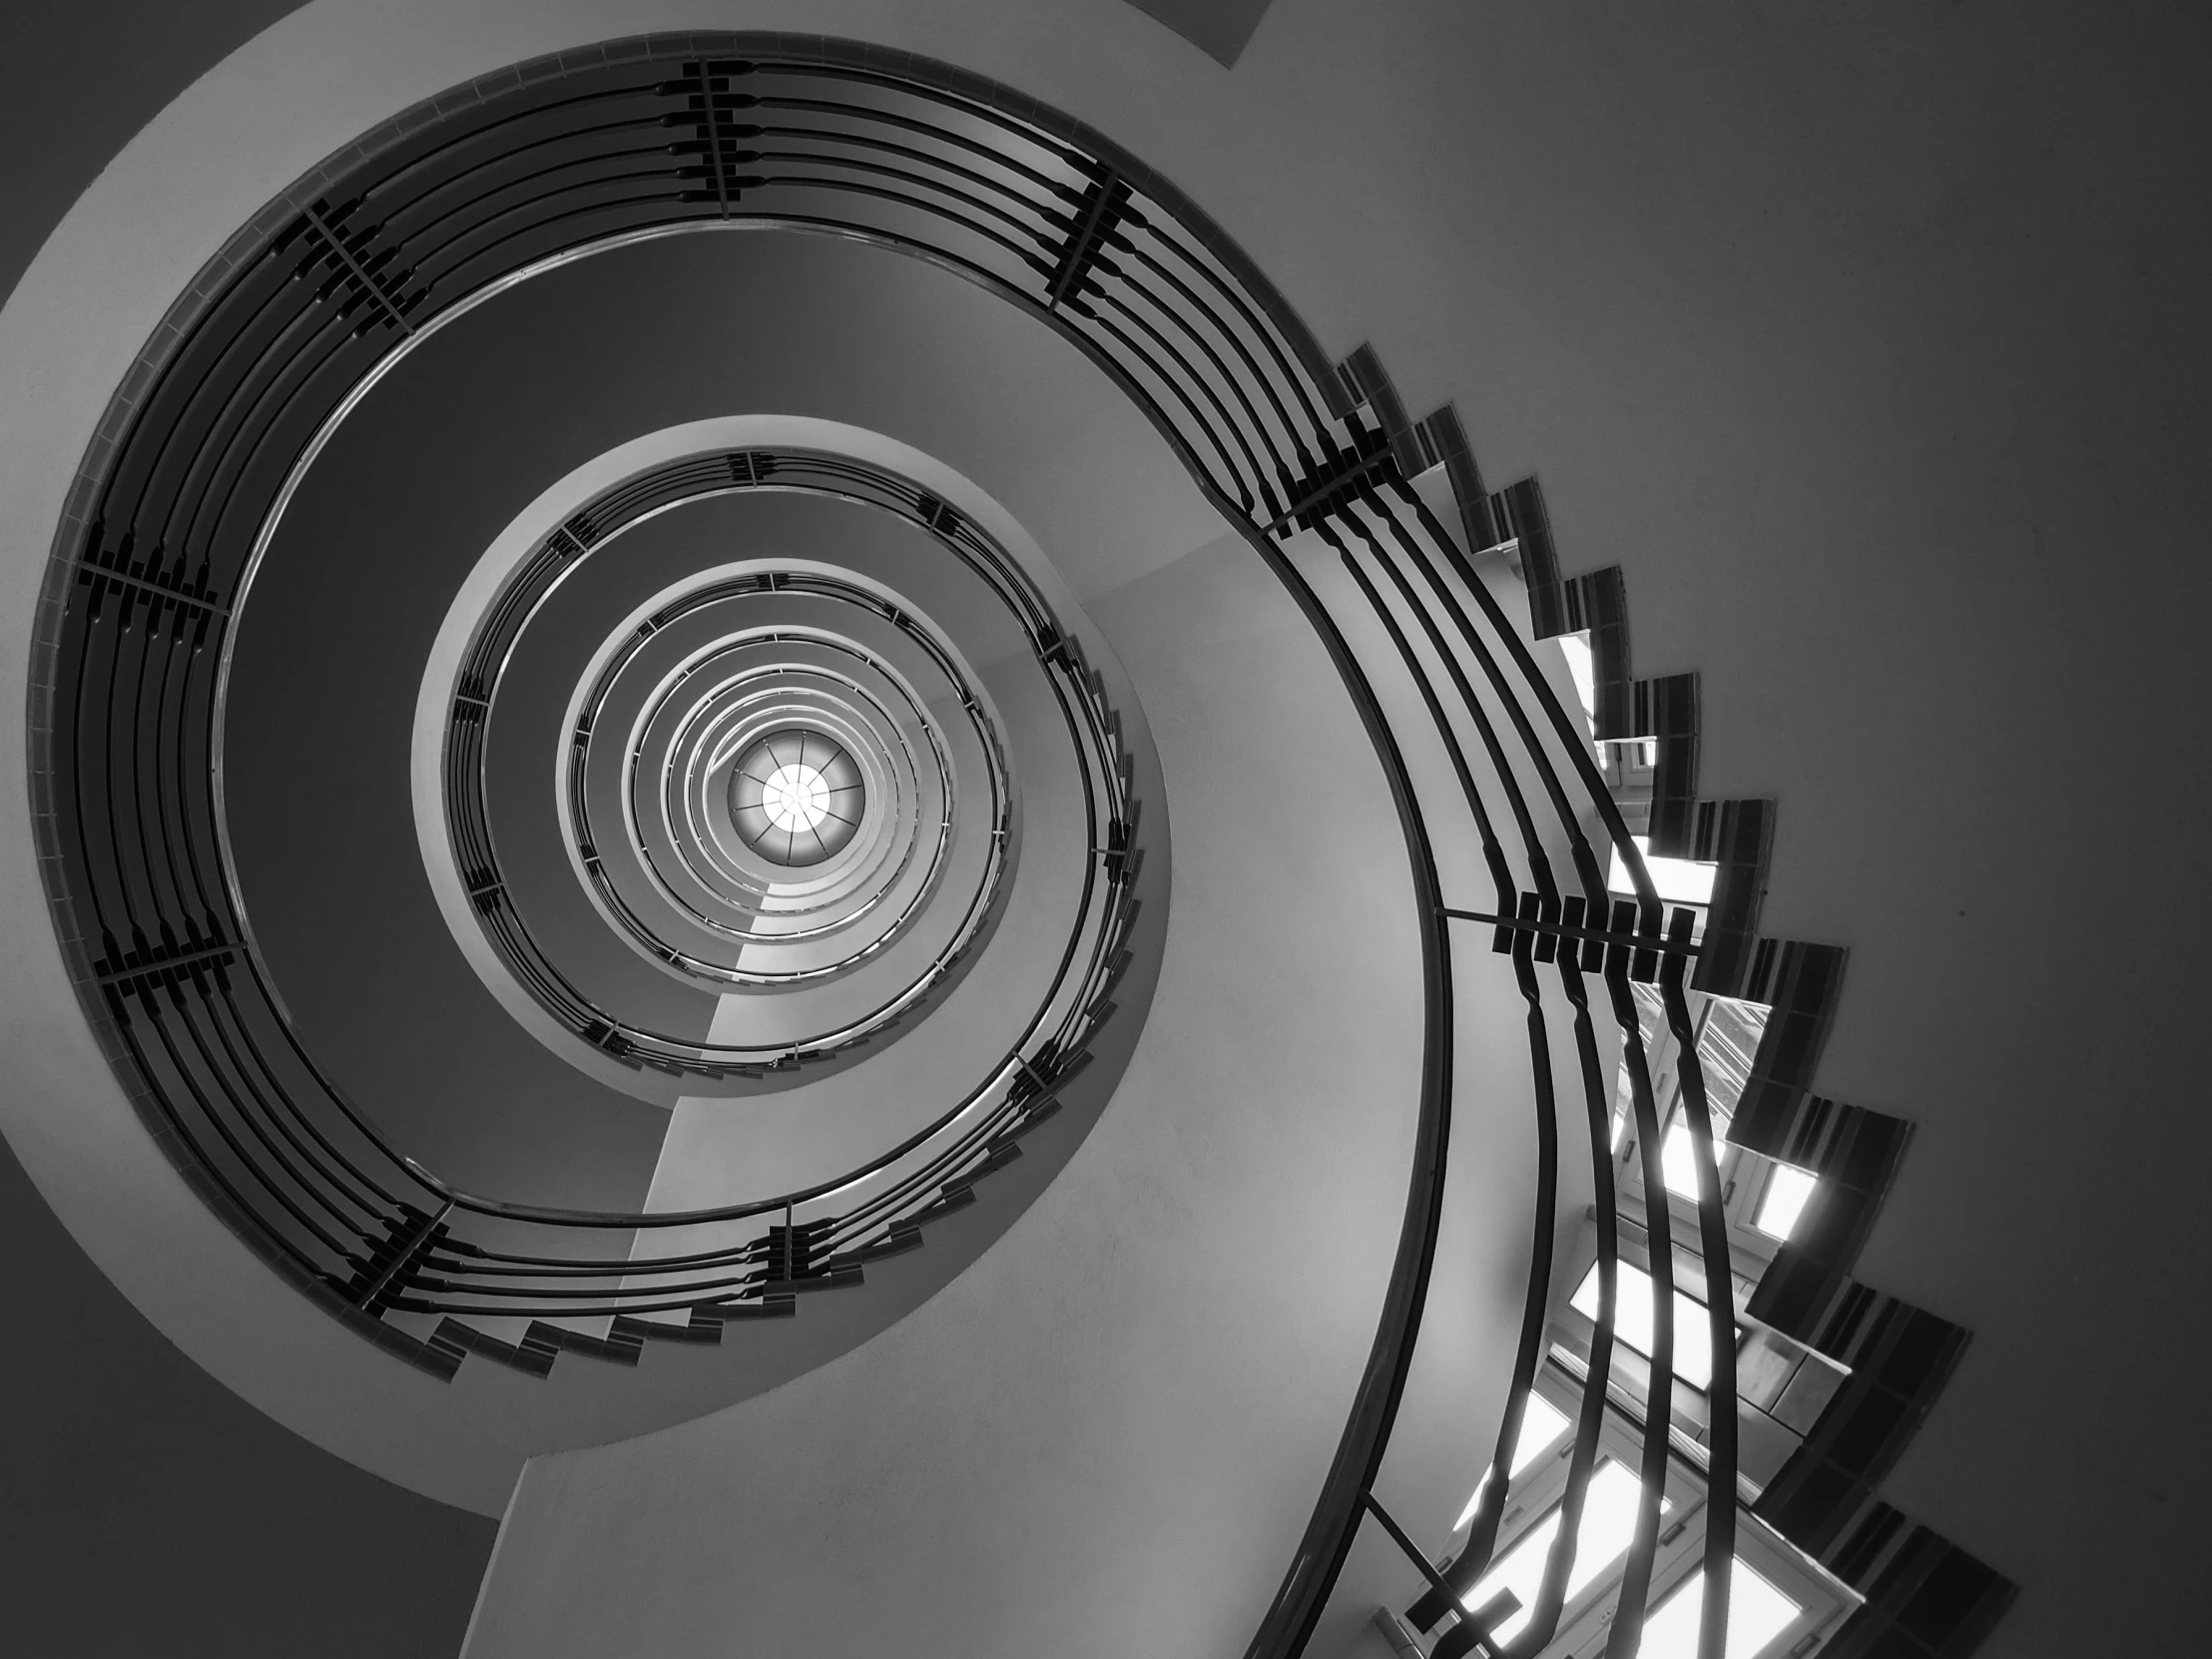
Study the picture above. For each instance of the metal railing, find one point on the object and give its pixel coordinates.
(1078, 695)
(302, 314)
(1312, 462)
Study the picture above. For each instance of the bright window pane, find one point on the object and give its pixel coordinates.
(1678, 1162)
(1784, 1201)
(1726, 1049)
(1677, 880)
(1541, 1425)
(1693, 1348)
(1757, 1615)
(1582, 670)
(1608, 1525)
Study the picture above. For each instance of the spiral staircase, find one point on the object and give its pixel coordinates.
(782, 838)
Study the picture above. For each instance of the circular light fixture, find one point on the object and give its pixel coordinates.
(797, 797)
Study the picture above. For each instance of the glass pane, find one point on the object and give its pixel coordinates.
(1676, 880)
(1608, 1525)
(1678, 1162)
(1693, 1346)
(1726, 1048)
(1784, 1201)
(1757, 1615)
(1582, 670)
(1541, 1425)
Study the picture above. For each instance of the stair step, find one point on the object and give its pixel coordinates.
(701, 1329)
(1003, 1151)
(1021, 1126)
(533, 1359)
(614, 1347)
(952, 1199)
(836, 1279)
(776, 1307)
(897, 1242)
(404, 1336)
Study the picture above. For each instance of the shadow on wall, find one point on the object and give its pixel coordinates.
(150, 1510)
(1219, 28)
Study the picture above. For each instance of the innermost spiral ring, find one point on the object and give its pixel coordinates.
(796, 797)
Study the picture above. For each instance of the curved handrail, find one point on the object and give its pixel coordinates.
(684, 133)
(478, 675)
(328, 1171)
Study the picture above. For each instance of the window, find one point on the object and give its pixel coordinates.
(1637, 754)
(797, 797)
(1728, 1036)
(1678, 1161)
(1542, 1425)
(1757, 1615)
(1779, 1596)
(1632, 1320)
(1582, 670)
(1728, 1042)
(1786, 1190)
(1676, 880)
(1608, 1528)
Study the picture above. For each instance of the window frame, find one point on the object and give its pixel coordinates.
(1745, 1175)
(1824, 1601)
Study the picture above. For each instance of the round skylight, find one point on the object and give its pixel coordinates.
(796, 797)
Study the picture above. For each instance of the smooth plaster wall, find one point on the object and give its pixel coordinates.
(1869, 339)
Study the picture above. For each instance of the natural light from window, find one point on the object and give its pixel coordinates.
(1609, 1526)
(1757, 1615)
(1676, 880)
(1787, 1191)
(1693, 1346)
(1542, 1425)
(1582, 670)
(1678, 1162)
